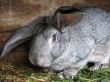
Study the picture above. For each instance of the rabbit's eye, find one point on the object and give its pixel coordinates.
(54, 37)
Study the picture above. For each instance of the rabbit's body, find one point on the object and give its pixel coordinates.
(69, 48)
(91, 32)
(94, 29)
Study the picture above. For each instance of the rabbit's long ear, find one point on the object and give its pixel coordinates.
(67, 15)
(21, 35)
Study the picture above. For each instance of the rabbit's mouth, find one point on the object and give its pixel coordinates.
(42, 62)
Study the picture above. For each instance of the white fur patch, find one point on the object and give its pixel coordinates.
(50, 41)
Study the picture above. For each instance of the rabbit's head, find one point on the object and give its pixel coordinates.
(50, 36)
(54, 38)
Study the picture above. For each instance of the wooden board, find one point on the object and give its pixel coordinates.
(16, 13)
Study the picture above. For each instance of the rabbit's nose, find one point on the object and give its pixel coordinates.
(40, 62)
(43, 63)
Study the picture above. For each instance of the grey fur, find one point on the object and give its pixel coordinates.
(74, 45)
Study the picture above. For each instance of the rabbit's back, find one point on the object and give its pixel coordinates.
(95, 24)
(94, 28)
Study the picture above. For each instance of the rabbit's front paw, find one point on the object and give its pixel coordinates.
(63, 75)
(100, 65)
(68, 74)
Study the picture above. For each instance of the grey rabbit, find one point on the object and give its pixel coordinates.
(67, 40)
